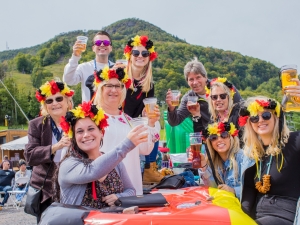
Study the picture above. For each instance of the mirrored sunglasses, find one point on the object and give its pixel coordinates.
(99, 42)
(136, 53)
(264, 116)
(215, 97)
(57, 99)
(223, 135)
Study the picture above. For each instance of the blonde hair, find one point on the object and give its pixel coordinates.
(217, 160)
(253, 147)
(99, 98)
(214, 112)
(147, 76)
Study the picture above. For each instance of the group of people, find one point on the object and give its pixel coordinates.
(250, 150)
(9, 180)
(89, 154)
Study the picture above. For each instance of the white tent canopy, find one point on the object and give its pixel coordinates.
(18, 144)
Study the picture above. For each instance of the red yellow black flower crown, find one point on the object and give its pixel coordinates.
(51, 88)
(258, 106)
(140, 41)
(218, 128)
(86, 109)
(221, 80)
(107, 74)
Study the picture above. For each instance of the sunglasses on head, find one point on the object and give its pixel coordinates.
(264, 115)
(99, 42)
(215, 97)
(136, 53)
(57, 99)
(223, 135)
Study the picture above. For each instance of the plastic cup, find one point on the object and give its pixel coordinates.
(192, 102)
(175, 97)
(140, 121)
(150, 104)
(196, 144)
(83, 41)
(122, 61)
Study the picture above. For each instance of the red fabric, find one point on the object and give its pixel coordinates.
(162, 149)
(94, 190)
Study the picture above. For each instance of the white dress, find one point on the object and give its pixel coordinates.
(115, 133)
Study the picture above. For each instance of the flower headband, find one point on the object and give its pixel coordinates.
(86, 109)
(258, 106)
(221, 80)
(107, 74)
(218, 128)
(51, 88)
(140, 41)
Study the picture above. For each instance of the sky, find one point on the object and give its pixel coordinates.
(264, 29)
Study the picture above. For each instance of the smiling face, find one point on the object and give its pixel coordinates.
(219, 105)
(112, 92)
(87, 135)
(222, 146)
(264, 128)
(139, 61)
(102, 50)
(197, 83)
(57, 109)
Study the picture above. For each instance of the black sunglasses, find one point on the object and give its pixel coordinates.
(136, 53)
(117, 86)
(215, 97)
(223, 135)
(57, 99)
(264, 115)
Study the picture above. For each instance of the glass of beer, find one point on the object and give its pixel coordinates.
(175, 97)
(140, 121)
(192, 102)
(83, 41)
(150, 104)
(289, 103)
(196, 143)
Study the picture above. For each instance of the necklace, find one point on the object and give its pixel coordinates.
(264, 185)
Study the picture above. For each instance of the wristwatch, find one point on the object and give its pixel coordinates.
(196, 118)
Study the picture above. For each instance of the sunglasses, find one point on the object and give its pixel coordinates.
(111, 86)
(57, 99)
(223, 135)
(99, 42)
(264, 115)
(136, 53)
(215, 97)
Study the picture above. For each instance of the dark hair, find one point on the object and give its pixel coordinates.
(102, 32)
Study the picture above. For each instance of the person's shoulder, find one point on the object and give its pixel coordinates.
(38, 120)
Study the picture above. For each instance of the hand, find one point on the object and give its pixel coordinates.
(118, 65)
(226, 188)
(110, 199)
(65, 141)
(195, 111)
(136, 135)
(293, 91)
(77, 48)
(202, 158)
(169, 98)
(152, 120)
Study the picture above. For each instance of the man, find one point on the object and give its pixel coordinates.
(196, 77)
(23, 172)
(6, 177)
(74, 73)
(5, 158)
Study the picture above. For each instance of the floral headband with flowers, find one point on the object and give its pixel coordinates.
(221, 80)
(51, 88)
(140, 41)
(219, 128)
(107, 74)
(86, 109)
(258, 106)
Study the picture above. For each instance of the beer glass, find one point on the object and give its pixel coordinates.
(192, 102)
(175, 97)
(150, 104)
(83, 42)
(196, 143)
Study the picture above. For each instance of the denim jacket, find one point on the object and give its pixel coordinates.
(227, 175)
(246, 163)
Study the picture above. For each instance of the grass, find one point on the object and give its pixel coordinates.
(163, 134)
(57, 69)
(23, 81)
(23, 126)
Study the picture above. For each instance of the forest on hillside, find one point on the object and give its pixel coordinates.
(250, 75)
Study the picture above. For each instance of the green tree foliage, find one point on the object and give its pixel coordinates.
(39, 76)
(24, 63)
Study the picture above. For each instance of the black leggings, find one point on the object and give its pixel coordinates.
(275, 210)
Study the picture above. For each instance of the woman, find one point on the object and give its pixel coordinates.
(111, 91)
(45, 139)
(140, 53)
(86, 176)
(272, 154)
(223, 145)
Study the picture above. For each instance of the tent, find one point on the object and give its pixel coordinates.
(18, 144)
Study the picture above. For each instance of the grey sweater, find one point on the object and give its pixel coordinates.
(74, 175)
